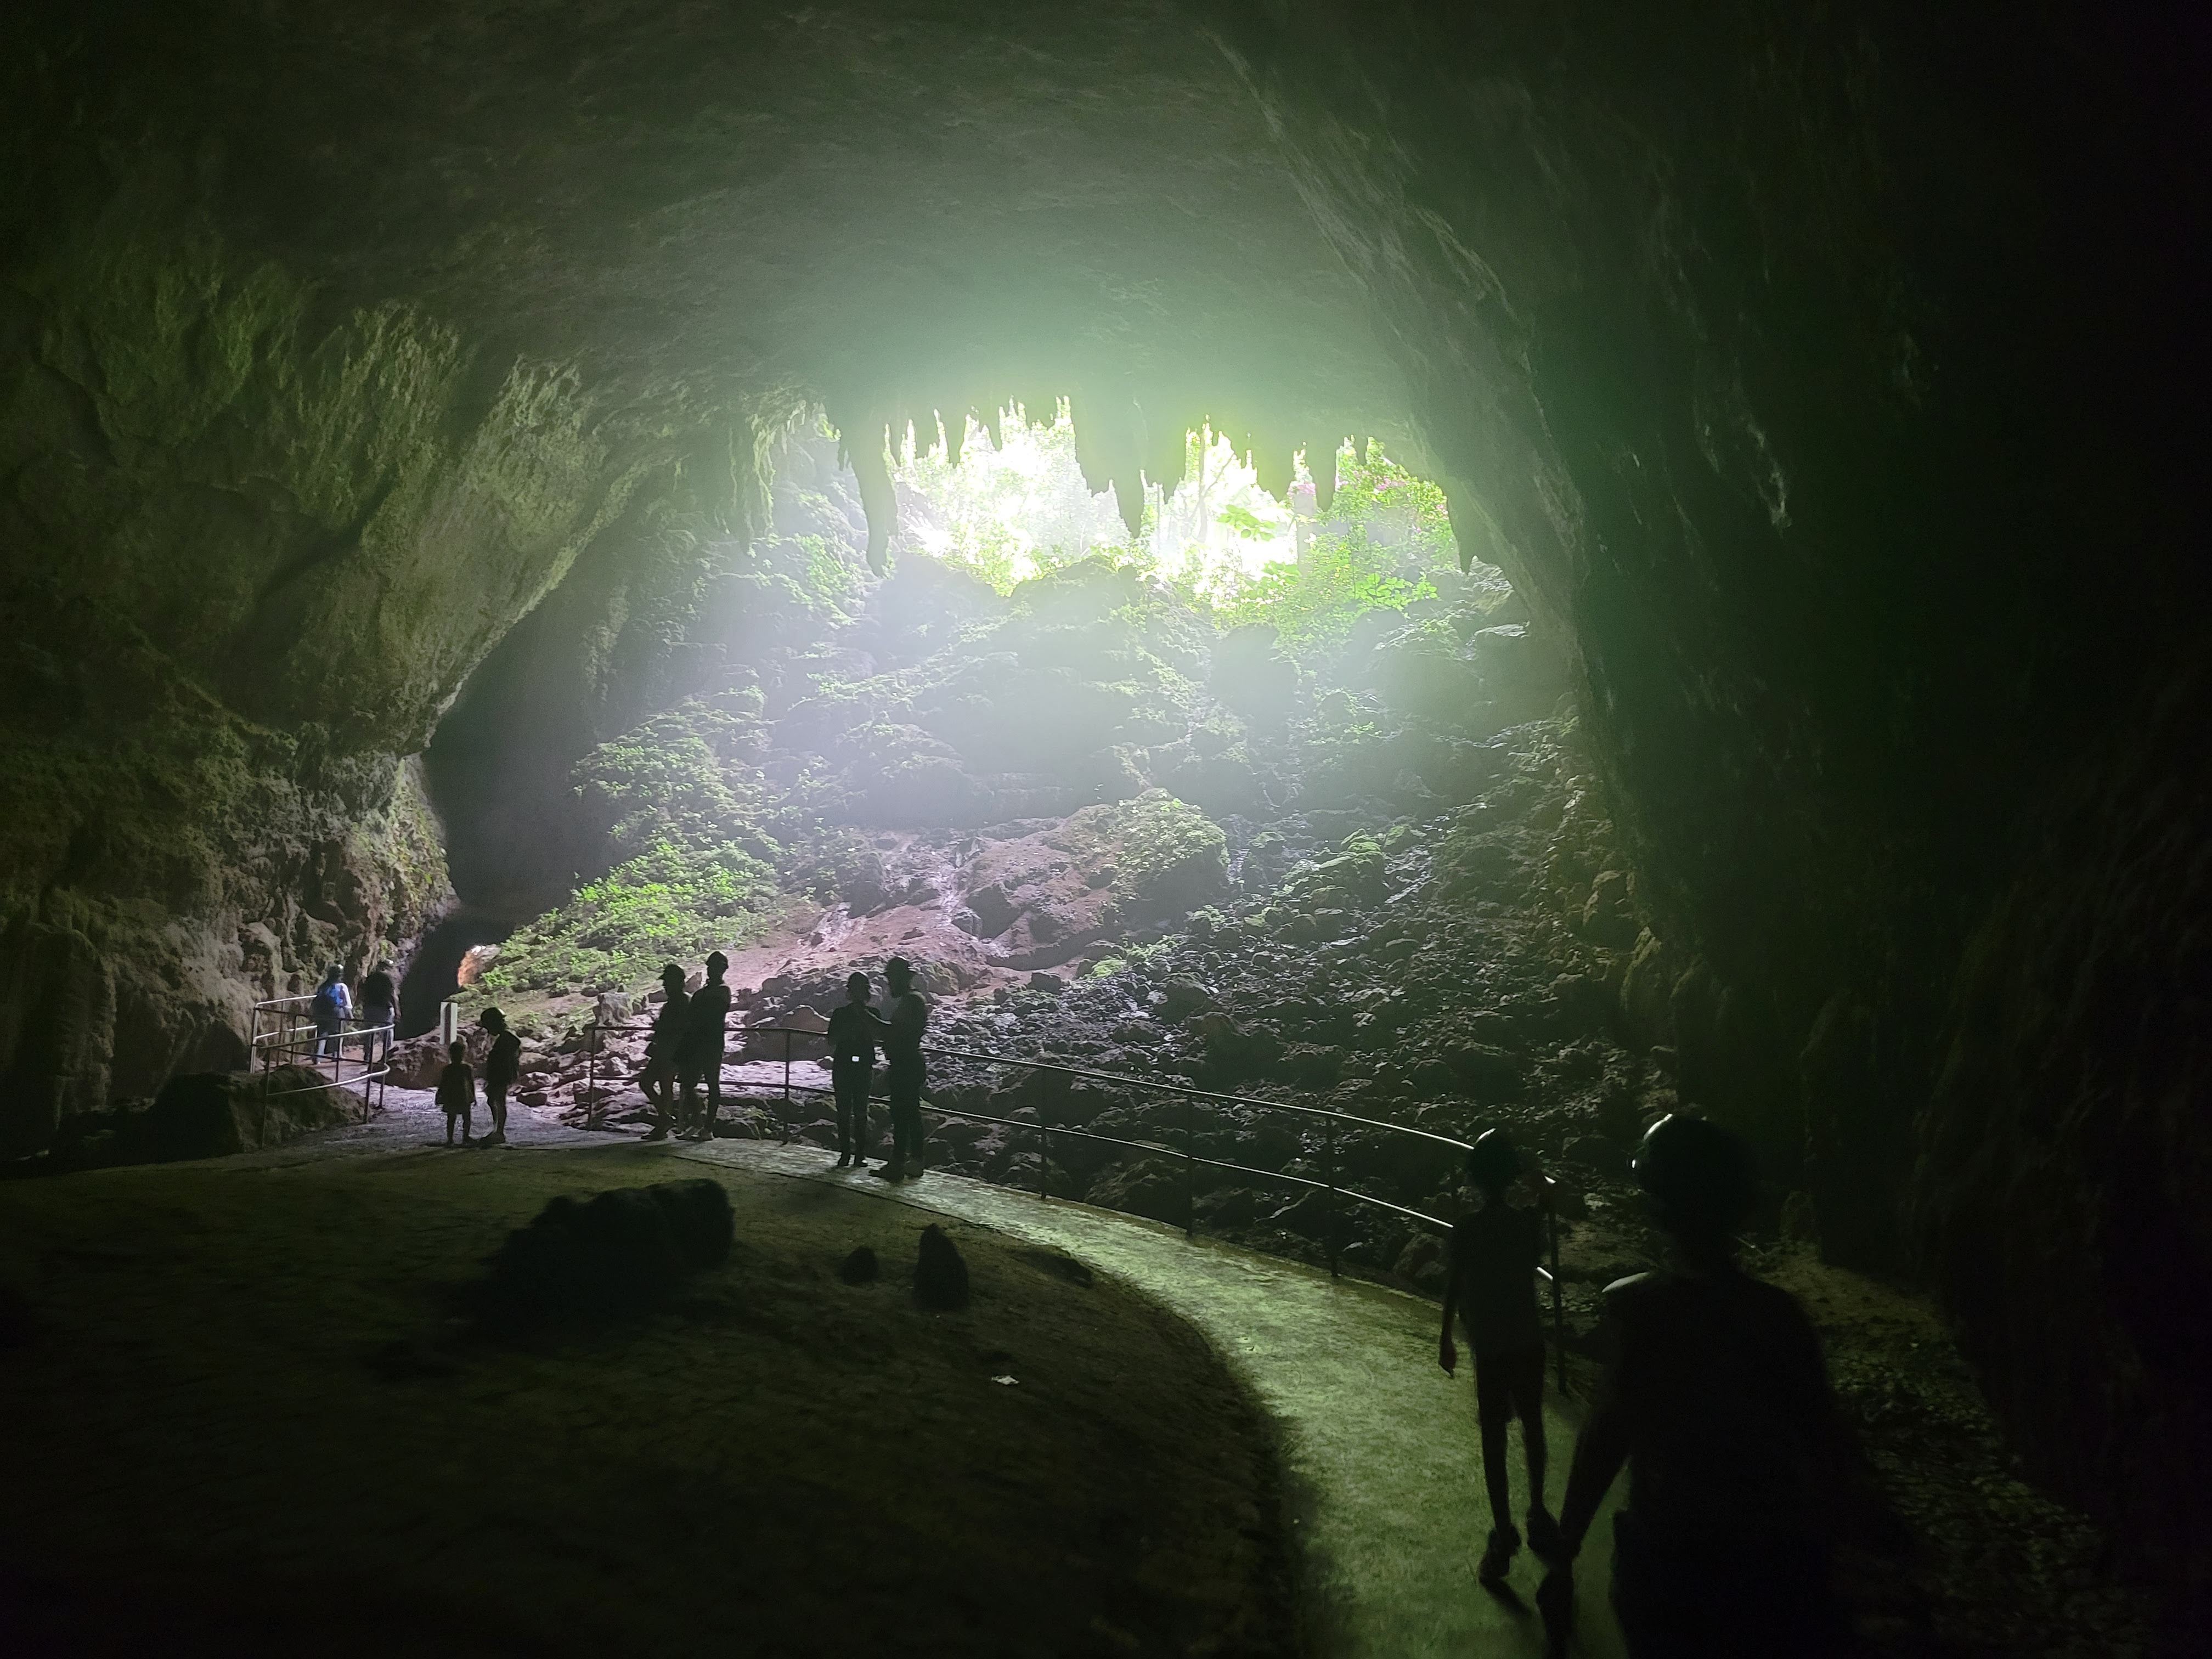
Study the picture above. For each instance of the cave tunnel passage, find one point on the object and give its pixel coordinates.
(422, 494)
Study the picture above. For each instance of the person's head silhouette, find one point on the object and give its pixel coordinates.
(1492, 1162)
(856, 988)
(1699, 1180)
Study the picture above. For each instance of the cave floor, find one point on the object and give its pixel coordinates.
(265, 1424)
(1379, 1445)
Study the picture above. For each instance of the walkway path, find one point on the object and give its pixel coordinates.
(1379, 1445)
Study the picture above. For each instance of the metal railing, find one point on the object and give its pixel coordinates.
(1192, 1160)
(289, 1040)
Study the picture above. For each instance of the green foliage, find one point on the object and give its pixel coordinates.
(1162, 846)
(1247, 523)
(1312, 604)
(674, 902)
(1385, 531)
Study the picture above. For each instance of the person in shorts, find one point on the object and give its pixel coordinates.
(1495, 1253)
(501, 1067)
(456, 1093)
(659, 1079)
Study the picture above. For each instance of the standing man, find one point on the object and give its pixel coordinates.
(379, 1009)
(1717, 1401)
(501, 1065)
(902, 1073)
(699, 1056)
(853, 1029)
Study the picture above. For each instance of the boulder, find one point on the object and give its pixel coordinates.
(215, 1113)
(861, 1267)
(940, 1276)
(609, 1254)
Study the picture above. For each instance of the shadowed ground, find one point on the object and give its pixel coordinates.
(265, 1428)
(1378, 1445)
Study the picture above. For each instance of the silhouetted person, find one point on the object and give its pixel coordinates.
(658, 1080)
(904, 1072)
(699, 1057)
(379, 1009)
(328, 1008)
(456, 1093)
(1492, 1287)
(853, 1069)
(501, 1065)
(1717, 1401)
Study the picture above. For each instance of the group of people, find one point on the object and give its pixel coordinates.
(1714, 1396)
(372, 1012)
(684, 1052)
(457, 1082)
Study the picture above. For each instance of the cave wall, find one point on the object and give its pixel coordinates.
(1826, 374)
(252, 548)
(1801, 359)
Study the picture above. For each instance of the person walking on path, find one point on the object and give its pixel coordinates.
(1717, 1401)
(699, 1053)
(379, 1011)
(903, 1070)
(501, 1065)
(328, 1008)
(456, 1093)
(658, 1080)
(1492, 1287)
(853, 1029)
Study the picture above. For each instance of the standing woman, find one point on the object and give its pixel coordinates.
(333, 1003)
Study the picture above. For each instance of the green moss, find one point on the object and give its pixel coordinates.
(673, 903)
(1163, 850)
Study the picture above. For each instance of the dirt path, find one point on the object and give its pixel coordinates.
(1379, 1445)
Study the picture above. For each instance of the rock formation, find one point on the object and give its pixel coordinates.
(1822, 376)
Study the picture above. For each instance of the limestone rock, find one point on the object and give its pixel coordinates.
(940, 1275)
(613, 1253)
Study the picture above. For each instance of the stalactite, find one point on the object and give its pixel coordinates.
(1320, 461)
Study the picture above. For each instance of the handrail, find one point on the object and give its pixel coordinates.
(301, 1043)
(1191, 1159)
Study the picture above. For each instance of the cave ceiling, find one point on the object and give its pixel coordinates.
(891, 206)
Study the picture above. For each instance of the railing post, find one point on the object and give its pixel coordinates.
(786, 1125)
(1189, 1169)
(1559, 1301)
(1330, 1136)
(592, 1073)
(1044, 1157)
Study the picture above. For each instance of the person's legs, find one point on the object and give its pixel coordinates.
(495, 1098)
(1493, 1407)
(1529, 1406)
(714, 1075)
(905, 1090)
(687, 1107)
(654, 1082)
(847, 1082)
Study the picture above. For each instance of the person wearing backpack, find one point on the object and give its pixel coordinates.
(329, 1008)
(1716, 1399)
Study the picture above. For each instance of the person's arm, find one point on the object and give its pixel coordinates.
(1447, 1352)
(1600, 1450)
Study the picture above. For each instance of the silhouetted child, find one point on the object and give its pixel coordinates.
(853, 1069)
(1716, 1399)
(501, 1065)
(1494, 1256)
(457, 1092)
